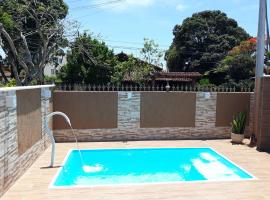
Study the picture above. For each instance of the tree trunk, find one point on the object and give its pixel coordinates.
(15, 72)
(3, 73)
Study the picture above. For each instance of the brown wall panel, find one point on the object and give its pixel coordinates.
(86, 110)
(263, 114)
(229, 105)
(168, 109)
(29, 118)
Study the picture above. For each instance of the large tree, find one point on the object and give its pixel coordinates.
(31, 31)
(88, 61)
(202, 40)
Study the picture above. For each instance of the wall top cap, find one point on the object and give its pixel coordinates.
(5, 89)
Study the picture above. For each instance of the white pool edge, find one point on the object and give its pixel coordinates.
(225, 157)
(51, 185)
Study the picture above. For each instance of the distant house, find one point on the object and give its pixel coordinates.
(7, 74)
(53, 67)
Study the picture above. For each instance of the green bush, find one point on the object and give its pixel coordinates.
(52, 79)
(204, 81)
(239, 123)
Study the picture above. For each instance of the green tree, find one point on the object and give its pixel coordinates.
(88, 61)
(31, 31)
(134, 69)
(150, 52)
(202, 40)
(238, 66)
(241, 68)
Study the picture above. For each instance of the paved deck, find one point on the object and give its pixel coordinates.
(33, 185)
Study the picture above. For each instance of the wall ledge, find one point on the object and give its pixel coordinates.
(5, 89)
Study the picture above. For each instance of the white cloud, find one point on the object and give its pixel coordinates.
(181, 7)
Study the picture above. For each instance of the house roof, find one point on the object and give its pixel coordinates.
(170, 76)
(176, 76)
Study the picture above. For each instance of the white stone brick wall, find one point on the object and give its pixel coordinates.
(129, 110)
(12, 166)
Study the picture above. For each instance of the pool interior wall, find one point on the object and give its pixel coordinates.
(103, 167)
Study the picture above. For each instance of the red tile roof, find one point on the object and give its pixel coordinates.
(170, 76)
(176, 75)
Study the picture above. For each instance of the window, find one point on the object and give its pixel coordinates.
(52, 71)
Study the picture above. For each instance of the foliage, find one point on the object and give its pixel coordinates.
(52, 79)
(202, 40)
(88, 61)
(267, 63)
(241, 67)
(136, 70)
(239, 123)
(10, 83)
(31, 31)
(245, 47)
(150, 52)
(133, 69)
(204, 81)
(237, 66)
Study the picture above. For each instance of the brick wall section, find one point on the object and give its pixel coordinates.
(2, 143)
(46, 108)
(206, 110)
(12, 166)
(9, 149)
(129, 127)
(251, 125)
(129, 110)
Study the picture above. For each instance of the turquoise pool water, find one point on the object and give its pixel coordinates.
(136, 166)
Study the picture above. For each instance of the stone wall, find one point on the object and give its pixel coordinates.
(12, 164)
(129, 123)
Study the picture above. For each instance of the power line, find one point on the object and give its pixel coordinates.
(98, 5)
(162, 50)
(127, 42)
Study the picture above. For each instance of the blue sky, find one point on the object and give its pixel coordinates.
(125, 23)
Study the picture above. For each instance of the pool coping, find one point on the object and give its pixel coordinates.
(51, 185)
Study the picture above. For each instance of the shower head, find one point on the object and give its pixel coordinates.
(60, 114)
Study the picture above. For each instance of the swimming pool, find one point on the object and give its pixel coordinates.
(145, 165)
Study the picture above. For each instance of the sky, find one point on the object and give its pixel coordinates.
(123, 24)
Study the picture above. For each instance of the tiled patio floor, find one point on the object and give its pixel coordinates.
(33, 185)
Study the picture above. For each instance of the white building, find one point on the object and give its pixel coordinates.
(53, 67)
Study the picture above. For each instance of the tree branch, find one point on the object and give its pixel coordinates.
(14, 53)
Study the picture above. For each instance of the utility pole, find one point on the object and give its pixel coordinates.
(261, 40)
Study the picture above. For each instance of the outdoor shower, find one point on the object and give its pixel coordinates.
(50, 133)
(86, 168)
